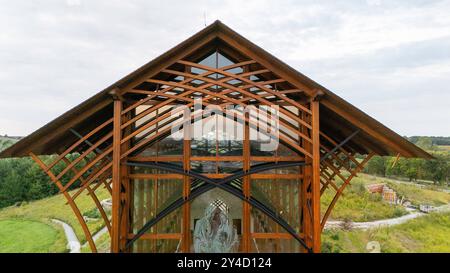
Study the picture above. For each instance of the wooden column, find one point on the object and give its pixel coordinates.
(305, 194)
(315, 187)
(116, 172)
(125, 188)
(186, 226)
(186, 221)
(246, 214)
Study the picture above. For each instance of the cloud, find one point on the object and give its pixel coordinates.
(377, 54)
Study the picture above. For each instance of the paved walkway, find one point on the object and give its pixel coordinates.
(72, 241)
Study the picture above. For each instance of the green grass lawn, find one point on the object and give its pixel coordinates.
(430, 233)
(55, 207)
(24, 236)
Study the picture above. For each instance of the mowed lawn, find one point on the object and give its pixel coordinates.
(39, 213)
(24, 236)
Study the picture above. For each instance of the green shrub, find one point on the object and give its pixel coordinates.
(93, 213)
(375, 197)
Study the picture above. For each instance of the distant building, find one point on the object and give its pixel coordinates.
(387, 194)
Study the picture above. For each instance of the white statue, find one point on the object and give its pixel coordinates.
(214, 234)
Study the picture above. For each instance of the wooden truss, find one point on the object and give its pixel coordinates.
(143, 115)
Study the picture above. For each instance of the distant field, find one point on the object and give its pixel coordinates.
(444, 147)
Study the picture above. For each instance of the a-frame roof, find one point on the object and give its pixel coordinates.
(337, 117)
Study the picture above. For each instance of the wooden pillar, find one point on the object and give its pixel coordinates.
(186, 226)
(315, 187)
(116, 172)
(125, 193)
(246, 214)
(186, 221)
(305, 194)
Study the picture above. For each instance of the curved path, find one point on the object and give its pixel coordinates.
(72, 241)
(385, 222)
(73, 244)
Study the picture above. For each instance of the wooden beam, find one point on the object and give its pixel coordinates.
(94, 197)
(246, 190)
(304, 198)
(276, 68)
(125, 193)
(316, 176)
(364, 123)
(117, 134)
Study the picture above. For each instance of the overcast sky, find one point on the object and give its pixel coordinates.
(389, 58)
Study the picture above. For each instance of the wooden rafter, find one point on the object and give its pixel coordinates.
(69, 199)
(346, 182)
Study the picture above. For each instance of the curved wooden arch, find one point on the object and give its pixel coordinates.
(346, 182)
(94, 197)
(69, 199)
(229, 101)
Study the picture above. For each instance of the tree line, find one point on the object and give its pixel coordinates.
(436, 170)
(22, 180)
